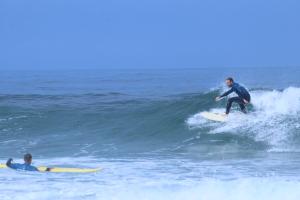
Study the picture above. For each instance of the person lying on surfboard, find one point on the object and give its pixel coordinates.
(242, 99)
(26, 166)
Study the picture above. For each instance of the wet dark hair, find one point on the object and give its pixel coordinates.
(229, 79)
(27, 157)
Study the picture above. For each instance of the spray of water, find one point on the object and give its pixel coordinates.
(273, 118)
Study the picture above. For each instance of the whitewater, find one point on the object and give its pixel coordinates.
(145, 130)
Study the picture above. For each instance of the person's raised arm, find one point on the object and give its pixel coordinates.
(8, 162)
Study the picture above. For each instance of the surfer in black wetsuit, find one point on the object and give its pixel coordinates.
(242, 99)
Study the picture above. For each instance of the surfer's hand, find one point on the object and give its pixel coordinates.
(245, 101)
(217, 98)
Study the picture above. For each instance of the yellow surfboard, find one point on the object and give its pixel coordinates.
(214, 116)
(63, 170)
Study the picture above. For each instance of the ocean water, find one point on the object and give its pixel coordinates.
(143, 127)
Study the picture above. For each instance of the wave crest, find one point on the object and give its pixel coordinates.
(273, 118)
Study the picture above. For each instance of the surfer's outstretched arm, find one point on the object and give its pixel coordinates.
(226, 93)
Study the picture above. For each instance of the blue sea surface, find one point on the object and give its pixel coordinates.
(143, 127)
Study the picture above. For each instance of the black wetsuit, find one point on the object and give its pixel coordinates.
(242, 94)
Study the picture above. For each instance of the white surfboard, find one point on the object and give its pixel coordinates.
(218, 117)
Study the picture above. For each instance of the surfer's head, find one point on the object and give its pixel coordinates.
(229, 81)
(28, 158)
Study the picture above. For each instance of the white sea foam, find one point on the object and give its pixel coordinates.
(144, 179)
(32, 187)
(286, 102)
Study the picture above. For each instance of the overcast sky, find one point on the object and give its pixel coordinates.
(148, 33)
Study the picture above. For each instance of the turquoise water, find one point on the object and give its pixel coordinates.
(143, 127)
